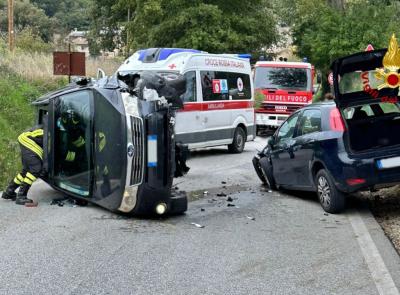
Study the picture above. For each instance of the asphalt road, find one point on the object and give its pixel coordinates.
(291, 246)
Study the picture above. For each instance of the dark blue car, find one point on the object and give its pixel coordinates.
(339, 147)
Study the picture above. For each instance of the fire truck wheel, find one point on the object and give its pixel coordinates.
(239, 139)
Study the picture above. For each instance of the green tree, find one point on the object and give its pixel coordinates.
(27, 15)
(322, 32)
(214, 26)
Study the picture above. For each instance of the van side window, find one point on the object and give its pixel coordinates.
(239, 86)
(310, 122)
(190, 94)
(214, 85)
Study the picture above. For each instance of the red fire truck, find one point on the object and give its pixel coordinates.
(287, 86)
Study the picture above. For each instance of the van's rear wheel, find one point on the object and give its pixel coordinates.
(239, 139)
(331, 199)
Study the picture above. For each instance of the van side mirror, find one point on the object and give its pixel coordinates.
(100, 74)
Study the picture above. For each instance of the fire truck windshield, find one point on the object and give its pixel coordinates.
(274, 78)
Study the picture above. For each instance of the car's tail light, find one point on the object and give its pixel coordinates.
(336, 121)
(355, 181)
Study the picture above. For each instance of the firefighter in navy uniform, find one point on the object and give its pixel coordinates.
(73, 133)
(31, 144)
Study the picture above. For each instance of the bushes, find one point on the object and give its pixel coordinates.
(16, 115)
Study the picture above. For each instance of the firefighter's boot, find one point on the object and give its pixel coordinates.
(22, 198)
(10, 194)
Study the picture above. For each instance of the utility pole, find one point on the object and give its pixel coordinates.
(127, 32)
(11, 38)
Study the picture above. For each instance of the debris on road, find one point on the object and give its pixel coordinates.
(229, 199)
(221, 195)
(223, 182)
(251, 217)
(205, 193)
(33, 204)
(202, 209)
(231, 205)
(68, 200)
(197, 225)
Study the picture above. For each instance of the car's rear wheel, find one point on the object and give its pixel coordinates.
(331, 199)
(239, 140)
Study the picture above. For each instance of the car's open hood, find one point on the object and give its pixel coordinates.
(360, 66)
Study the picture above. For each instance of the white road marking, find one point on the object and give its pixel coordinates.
(380, 274)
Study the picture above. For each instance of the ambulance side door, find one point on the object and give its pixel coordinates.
(217, 113)
(189, 121)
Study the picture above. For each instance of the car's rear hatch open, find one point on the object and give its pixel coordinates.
(366, 100)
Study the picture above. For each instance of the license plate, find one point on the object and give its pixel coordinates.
(388, 163)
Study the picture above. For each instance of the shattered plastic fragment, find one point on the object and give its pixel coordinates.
(251, 217)
(205, 193)
(231, 205)
(221, 195)
(202, 209)
(229, 199)
(197, 225)
(33, 204)
(223, 182)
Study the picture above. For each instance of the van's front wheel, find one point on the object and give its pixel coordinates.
(239, 139)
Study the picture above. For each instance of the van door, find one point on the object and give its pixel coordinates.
(216, 113)
(189, 126)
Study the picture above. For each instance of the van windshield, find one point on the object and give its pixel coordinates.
(297, 79)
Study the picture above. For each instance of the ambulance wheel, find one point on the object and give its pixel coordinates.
(239, 139)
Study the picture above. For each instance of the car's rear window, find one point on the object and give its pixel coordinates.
(355, 81)
(371, 110)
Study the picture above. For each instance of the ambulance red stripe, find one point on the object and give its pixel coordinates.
(216, 105)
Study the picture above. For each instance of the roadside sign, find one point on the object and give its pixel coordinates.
(69, 63)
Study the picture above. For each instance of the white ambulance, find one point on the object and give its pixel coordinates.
(219, 99)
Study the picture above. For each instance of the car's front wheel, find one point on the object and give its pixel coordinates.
(331, 199)
(264, 172)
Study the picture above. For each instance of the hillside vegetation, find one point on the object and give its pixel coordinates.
(15, 116)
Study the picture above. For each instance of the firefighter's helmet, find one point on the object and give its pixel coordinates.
(70, 119)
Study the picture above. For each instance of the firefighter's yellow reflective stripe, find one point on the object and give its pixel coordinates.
(70, 156)
(102, 141)
(28, 181)
(36, 133)
(30, 144)
(30, 176)
(20, 177)
(17, 181)
(75, 121)
(79, 142)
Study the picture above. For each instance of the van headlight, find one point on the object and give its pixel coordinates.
(129, 199)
